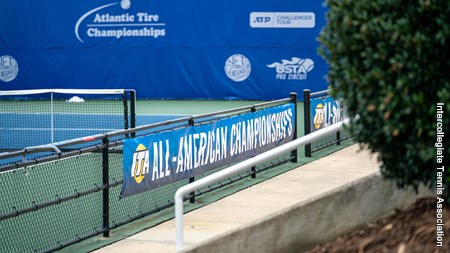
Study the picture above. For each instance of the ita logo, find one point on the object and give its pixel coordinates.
(238, 67)
(294, 69)
(319, 116)
(9, 68)
(141, 164)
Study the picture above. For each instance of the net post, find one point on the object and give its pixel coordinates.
(307, 117)
(293, 96)
(125, 111)
(133, 111)
(105, 182)
(191, 179)
(52, 118)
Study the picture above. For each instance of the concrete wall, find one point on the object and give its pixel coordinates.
(308, 223)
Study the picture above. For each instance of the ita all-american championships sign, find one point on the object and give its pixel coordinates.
(166, 157)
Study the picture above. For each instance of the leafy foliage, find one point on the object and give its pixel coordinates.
(390, 60)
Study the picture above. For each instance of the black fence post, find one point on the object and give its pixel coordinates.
(307, 117)
(105, 181)
(253, 169)
(191, 179)
(294, 98)
(338, 134)
(192, 194)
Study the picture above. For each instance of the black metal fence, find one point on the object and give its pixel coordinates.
(58, 195)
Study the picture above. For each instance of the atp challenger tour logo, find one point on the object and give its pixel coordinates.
(282, 19)
(294, 69)
(118, 20)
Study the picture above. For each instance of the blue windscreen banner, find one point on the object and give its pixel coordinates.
(164, 49)
(325, 111)
(162, 158)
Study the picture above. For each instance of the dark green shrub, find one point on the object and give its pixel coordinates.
(390, 60)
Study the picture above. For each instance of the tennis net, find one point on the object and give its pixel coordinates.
(39, 117)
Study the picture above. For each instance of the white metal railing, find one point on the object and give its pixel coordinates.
(234, 169)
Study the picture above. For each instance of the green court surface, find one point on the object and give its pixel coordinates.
(190, 107)
(187, 107)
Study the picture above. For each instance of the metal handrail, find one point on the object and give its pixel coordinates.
(31, 150)
(182, 191)
(41, 148)
(318, 93)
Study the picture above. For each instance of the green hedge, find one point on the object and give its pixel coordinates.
(390, 60)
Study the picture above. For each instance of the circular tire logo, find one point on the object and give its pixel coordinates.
(238, 67)
(8, 68)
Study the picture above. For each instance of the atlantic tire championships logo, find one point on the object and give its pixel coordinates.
(113, 21)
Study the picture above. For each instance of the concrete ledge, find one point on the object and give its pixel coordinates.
(320, 219)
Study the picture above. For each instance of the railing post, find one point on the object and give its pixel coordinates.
(191, 179)
(105, 181)
(307, 117)
(294, 98)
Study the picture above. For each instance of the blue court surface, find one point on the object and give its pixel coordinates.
(26, 130)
